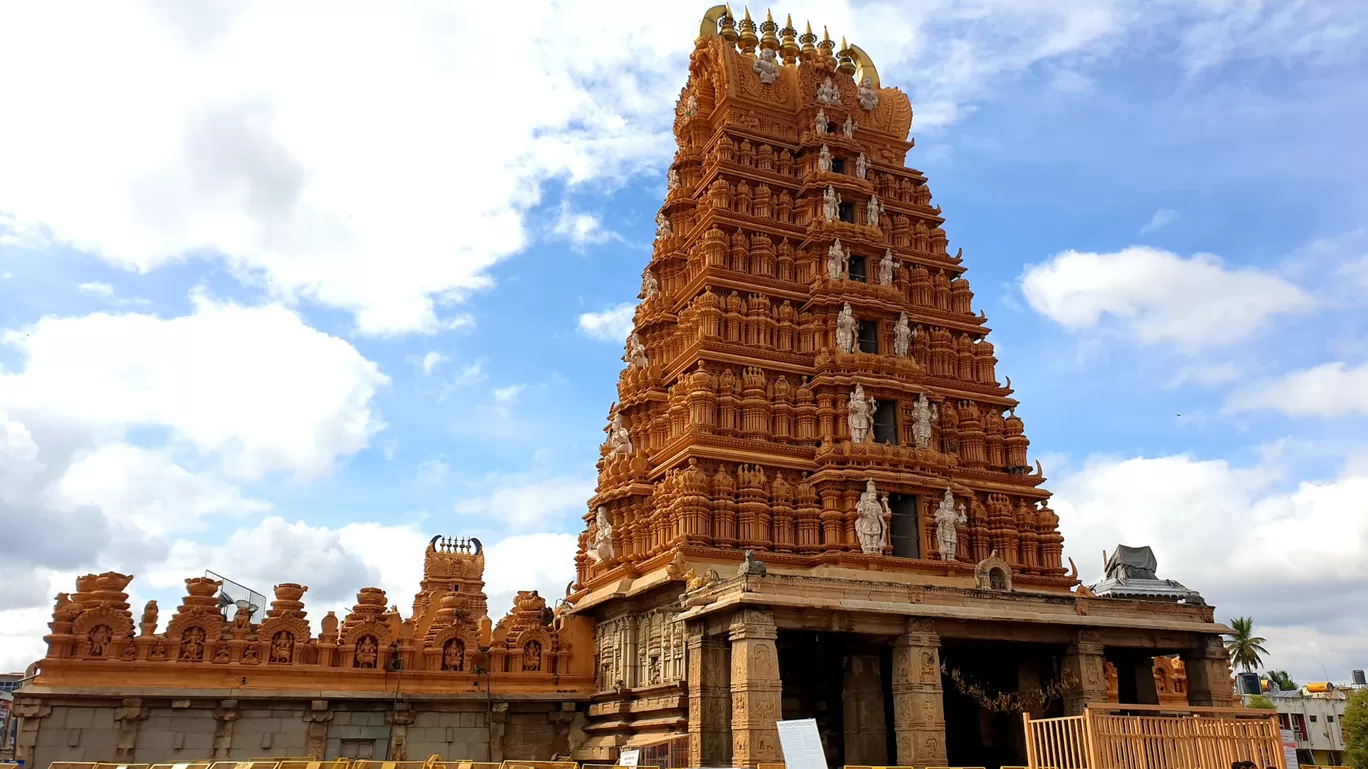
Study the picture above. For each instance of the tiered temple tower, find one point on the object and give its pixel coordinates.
(810, 397)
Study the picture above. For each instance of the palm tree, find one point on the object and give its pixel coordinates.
(1282, 679)
(1243, 646)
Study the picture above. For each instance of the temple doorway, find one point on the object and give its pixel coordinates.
(842, 681)
(982, 726)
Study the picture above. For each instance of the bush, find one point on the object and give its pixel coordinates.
(1259, 702)
(1355, 726)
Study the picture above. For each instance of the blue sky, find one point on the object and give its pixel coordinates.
(284, 295)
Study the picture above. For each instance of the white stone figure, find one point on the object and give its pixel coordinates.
(828, 93)
(869, 98)
(846, 329)
(822, 121)
(602, 547)
(619, 440)
(922, 418)
(672, 180)
(838, 261)
(691, 106)
(886, 266)
(861, 166)
(765, 67)
(848, 128)
(663, 228)
(860, 415)
(902, 337)
(831, 204)
(873, 210)
(869, 523)
(824, 160)
(649, 285)
(635, 356)
(947, 518)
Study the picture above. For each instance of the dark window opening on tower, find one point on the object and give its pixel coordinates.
(838, 165)
(846, 212)
(869, 336)
(904, 530)
(886, 422)
(857, 269)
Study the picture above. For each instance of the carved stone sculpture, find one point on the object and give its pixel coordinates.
(635, 357)
(824, 160)
(846, 328)
(860, 415)
(765, 67)
(649, 285)
(947, 518)
(861, 166)
(886, 266)
(691, 106)
(663, 228)
(619, 440)
(672, 180)
(848, 128)
(838, 261)
(828, 93)
(831, 204)
(822, 122)
(750, 566)
(869, 523)
(902, 337)
(923, 416)
(868, 97)
(873, 211)
(602, 547)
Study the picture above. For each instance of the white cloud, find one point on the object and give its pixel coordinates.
(431, 361)
(1330, 389)
(508, 395)
(1069, 81)
(95, 288)
(1283, 556)
(612, 324)
(431, 472)
(255, 385)
(543, 562)
(581, 229)
(1161, 219)
(1156, 297)
(523, 501)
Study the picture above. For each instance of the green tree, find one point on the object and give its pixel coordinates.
(1355, 726)
(1283, 680)
(1260, 702)
(1243, 646)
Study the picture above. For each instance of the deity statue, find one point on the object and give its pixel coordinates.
(282, 648)
(453, 656)
(827, 93)
(869, 525)
(860, 415)
(846, 328)
(947, 518)
(848, 128)
(902, 336)
(649, 285)
(672, 180)
(923, 416)
(838, 261)
(822, 121)
(663, 228)
(367, 653)
(765, 67)
(824, 160)
(831, 204)
(873, 211)
(635, 357)
(886, 268)
(242, 621)
(149, 618)
(619, 440)
(861, 166)
(691, 106)
(867, 96)
(99, 639)
(192, 645)
(602, 547)
(249, 653)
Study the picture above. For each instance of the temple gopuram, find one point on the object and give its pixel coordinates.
(814, 501)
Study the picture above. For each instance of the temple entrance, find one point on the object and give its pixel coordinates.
(983, 728)
(842, 680)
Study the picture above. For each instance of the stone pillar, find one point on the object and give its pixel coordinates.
(918, 700)
(866, 737)
(31, 714)
(1208, 673)
(130, 714)
(709, 680)
(224, 715)
(317, 716)
(498, 723)
(1085, 677)
(756, 691)
(399, 719)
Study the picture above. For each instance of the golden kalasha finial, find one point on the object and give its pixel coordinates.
(768, 40)
(788, 49)
(847, 65)
(808, 39)
(728, 26)
(748, 36)
(826, 45)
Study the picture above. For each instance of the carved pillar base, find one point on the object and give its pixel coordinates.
(129, 715)
(1208, 674)
(224, 715)
(317, 716)
(918, 699)
(31, 714)
(399, 720)
(498, 724)
(1085, 677)
(756, 691)
(866, 737)
(709, 679)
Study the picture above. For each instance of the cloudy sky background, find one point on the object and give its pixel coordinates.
(283, 293)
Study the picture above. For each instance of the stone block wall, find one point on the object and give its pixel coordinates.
(453, 734)
(182, 733)
(269, 731)
(78, 734)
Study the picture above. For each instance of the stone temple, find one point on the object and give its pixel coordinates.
(814, 501)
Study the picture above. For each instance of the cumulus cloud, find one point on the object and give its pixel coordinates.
(581, 229)
(523, 501)
(1327, 390)
(95, 288)
(429, 362)
(544, 562)
(1161, 219)
(1157, 297)
(611, 324)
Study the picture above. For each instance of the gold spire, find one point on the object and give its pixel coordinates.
(826, 45)
(768, 40)
(747, 27)
(847, 60)
(807, 39)
(788, 49)
(728, 26)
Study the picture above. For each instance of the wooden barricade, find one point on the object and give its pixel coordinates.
(668, 753)
(1154, 737)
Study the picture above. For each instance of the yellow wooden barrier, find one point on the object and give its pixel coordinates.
(540, 765)
(1154, 737)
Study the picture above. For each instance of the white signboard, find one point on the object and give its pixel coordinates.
(629, 757)
(802, 744)
(1289, 745)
